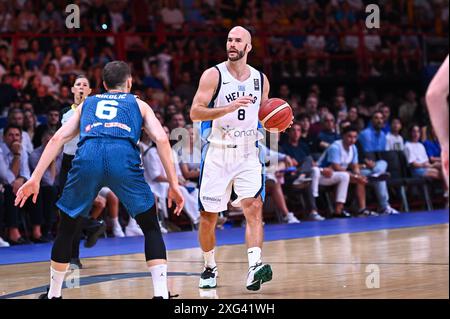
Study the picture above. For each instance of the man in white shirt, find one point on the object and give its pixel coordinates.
(155, 176)
(16, 117)
(417, 157)
(15, 160)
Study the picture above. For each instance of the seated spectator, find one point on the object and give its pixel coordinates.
(42, 100)
(297, 149)
(328, 134)
(417, 157)
(394, 140)
(386, 112)
(172, 16)
(16, 171)
(354, 118)
(16, 118)
(189, 157)
(154, 79)
(309, 141)
(185, 89)
(273, 186)
(156, 177)
(432, 146)
(3, 243)
(342, 156)
(311, 106)
(45, 209)
(53, 124)
(29, 123)
(111, 202)
(373, 139)
(177, 120)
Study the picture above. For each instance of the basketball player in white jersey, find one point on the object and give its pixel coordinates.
(227, 103)
(437, 102)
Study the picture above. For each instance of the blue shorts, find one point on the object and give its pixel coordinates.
(113, 163)
(418, 172)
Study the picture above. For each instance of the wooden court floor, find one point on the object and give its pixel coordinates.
(407, 263)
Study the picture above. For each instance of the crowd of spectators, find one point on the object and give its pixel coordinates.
(333, 130)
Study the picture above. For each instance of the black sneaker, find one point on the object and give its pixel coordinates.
(40, 240)
(343, 214)
(76, 262)
(208, 278)
(20, 241)
(170, 296)
(45, 296)
(94, 233)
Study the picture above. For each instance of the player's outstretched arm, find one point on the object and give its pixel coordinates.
(68, 131)
(156, 132)
(205, 92)
(436, 98)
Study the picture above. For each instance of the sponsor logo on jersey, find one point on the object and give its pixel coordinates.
(241, 88)
(230, 132)
(226, 132)
(119, 125)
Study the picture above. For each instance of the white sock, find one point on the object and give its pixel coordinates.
(210, 261)
(132, 223)
(159, 278)
(116, 223)
(254, 256)
(56, 282)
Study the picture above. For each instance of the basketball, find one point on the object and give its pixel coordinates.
(275, 115)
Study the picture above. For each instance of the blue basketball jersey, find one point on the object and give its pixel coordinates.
(111, 115)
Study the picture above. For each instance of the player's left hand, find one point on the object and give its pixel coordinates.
(31, 187)
(175, 195)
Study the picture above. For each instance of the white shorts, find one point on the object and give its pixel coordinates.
(229, 173)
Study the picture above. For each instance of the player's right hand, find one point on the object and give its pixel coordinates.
(239, 102)
(31, 187)
(175, 195)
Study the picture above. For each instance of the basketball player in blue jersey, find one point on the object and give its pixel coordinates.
(437, 103)
(227, 103)
(109, 125)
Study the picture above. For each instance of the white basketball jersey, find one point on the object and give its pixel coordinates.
(241, 126)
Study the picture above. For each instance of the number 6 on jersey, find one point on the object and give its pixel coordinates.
(106, 109)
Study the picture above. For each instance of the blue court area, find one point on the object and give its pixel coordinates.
(233, 236)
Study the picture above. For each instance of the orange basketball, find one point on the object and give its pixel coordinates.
(275, 115)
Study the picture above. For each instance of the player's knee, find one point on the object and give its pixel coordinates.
(253, 205)
(148, 221)
(208, 219)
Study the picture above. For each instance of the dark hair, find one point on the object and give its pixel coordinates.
(348, 129)
(115, 74)
(10, 127)
(411, 128)
(82, 76)
(373, 114)
(14, 110)
(302, 116)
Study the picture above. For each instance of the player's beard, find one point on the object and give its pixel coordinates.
(240, 54)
